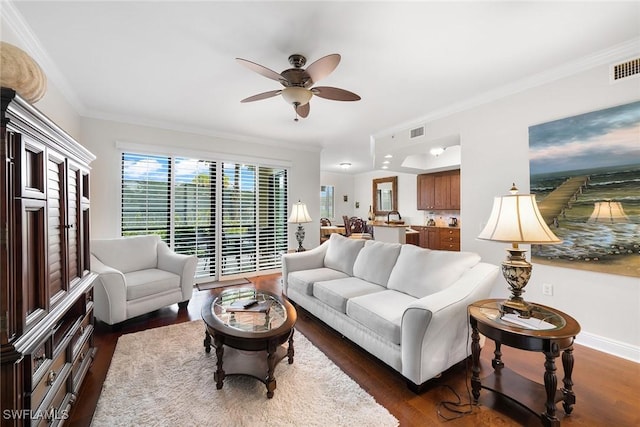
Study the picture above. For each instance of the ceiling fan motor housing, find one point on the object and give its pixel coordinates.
(296, 60)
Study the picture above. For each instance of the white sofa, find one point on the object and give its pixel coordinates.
(405, 305)
(137, 275)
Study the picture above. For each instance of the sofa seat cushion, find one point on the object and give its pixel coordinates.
(420, 272)
(302, 281)
(375, 261)
(336, 293)
(144, 283)
(381, 312)
(342, 253)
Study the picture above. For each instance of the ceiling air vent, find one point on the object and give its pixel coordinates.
(625, 69)
(417, 132)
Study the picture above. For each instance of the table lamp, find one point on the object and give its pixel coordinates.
(515, 219)
(299, 215)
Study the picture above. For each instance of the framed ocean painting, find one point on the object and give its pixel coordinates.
(585, 173)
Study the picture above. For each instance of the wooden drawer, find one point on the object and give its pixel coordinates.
(450, 239)
(55, 410)
(81, 364)
(82, 333)
(42, 387)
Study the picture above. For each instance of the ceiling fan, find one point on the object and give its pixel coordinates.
(298, 82)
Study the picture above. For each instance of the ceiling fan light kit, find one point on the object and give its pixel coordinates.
(297, 82)
(296, 95)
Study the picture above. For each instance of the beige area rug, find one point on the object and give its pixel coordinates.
(221, 284)
(164, 377)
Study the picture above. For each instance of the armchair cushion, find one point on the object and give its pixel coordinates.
(151, 281)
(128, 254)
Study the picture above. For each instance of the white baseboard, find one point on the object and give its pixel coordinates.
(613, 347)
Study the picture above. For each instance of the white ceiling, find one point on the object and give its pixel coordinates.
(171, 63)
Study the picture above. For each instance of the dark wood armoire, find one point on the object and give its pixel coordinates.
(46, 304)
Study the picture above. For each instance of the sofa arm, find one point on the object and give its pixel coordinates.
(307, 260)
(110, 293)
(435, 329)
(180, 264)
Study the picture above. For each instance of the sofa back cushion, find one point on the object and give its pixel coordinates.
(342, 253)
(375, 261)
(420, 272)
(127, 254)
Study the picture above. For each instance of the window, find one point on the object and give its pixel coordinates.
(327, 202)
(146, 185)
(195, 212)
(177, 198)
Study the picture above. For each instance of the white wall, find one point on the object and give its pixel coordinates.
(100, 137)
(53, 104)
(495, 153)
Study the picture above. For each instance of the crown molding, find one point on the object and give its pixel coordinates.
(172, 127)
(31, 44)
(620, 52)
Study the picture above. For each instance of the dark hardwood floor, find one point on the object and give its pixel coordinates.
(606, 387)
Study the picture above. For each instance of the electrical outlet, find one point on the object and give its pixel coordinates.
(547, 289)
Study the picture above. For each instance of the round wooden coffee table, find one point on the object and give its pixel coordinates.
(249, 339)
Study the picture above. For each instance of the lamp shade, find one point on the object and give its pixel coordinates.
(299, 213)
(516, 219)
(296, 95)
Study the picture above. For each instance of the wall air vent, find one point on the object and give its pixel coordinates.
(417, 132)
(625, 69)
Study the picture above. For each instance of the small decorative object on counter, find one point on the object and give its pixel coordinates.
(371, 216)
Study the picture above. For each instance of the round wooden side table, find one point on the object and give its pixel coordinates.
(249, 338)
(549, 331)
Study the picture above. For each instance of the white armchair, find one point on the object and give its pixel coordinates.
(137, 275)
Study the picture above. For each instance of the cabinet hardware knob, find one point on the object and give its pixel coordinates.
(52, 377)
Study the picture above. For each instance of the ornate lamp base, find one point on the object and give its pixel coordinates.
(516, 271)
(300, 238)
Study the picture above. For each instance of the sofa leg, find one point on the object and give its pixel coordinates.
(417, 388)
(183, 304)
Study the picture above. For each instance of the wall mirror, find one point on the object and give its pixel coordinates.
(385, 195)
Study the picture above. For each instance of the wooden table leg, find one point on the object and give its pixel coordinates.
(219, 374)
(270, 382)
(475, 360)
(550, 384)
(496, 362)
(207, 341)
(290, 350)
(567, 390)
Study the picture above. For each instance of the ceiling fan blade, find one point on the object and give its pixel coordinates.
(334, 93)
(323, 67)
(260, 69)
(303, 110)
(263, 95)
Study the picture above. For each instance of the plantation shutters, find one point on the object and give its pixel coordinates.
(195, 212)
(146, 188)
(272, 217)
(232, 216)
(239, 189)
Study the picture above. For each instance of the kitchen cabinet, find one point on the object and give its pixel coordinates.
(449, 239)
(439, 238)
(439, 191)
(46, 297)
